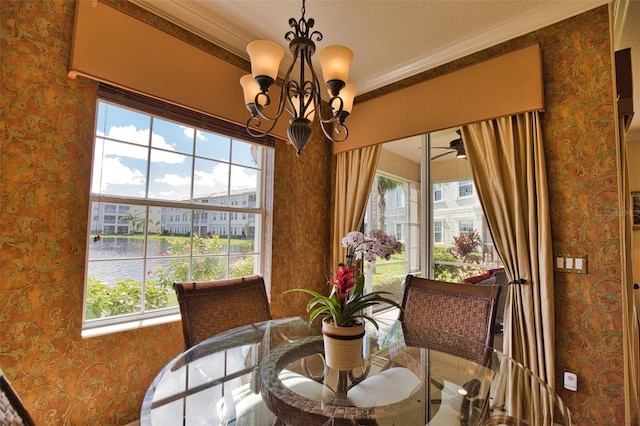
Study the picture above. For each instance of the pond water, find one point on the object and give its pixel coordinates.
(125, 257)
(125, 247)
(129, 251)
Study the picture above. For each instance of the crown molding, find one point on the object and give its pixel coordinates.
(546, 15)
(193, 17)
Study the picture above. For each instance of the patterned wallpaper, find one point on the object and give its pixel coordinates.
(46, 159)
(301, 223)
(46, 138)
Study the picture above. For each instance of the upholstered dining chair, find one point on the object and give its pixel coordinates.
(464, 310)
(12, 410)
(211, 307)
(454, 318)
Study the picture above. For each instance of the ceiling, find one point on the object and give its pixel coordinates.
(393, 39)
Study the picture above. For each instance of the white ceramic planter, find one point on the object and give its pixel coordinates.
(342, 345)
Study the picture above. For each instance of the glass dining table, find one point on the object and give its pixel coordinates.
(273, 373)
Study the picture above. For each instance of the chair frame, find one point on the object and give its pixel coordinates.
(188, 292)
(15, 401)
(490, 293)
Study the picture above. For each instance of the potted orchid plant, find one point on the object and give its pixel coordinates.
(344, 310)
(347, 301)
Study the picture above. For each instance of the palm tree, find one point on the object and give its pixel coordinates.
(385, 185)
(134, 219)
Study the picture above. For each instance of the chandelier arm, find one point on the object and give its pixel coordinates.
(337, 114)
(306, 96)
(255, 131)
(315, 81)
(302, 53)
(338, 128)
(290, 92)
(262, 114)
(313, 99)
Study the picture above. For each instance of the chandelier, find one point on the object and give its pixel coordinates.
(301, 97)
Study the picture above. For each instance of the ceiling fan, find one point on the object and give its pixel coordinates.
(455, 145)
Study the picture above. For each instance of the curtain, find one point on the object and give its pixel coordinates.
(355, 172)
(631, 349)
(508, 163)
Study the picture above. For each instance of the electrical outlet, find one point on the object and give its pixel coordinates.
(570, 381)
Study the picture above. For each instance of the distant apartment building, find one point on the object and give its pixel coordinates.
(456, 210)
(113, 218)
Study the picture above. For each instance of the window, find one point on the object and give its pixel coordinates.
(438, 234)
(399, 231)
(437, 192)
(465, 226)
(465, 188)
(389, 210)
(157, 187)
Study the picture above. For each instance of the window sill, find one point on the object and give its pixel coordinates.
(102, 330)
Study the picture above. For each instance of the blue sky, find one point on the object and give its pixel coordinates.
(124, 162)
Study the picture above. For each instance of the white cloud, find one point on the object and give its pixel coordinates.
(242, 180)
(189, 131)
(115, 173)
(158, 141)
(218, 179)
(172, 179)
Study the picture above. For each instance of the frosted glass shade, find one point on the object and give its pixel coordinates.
(310, 112)
(348, 94)
(335, 62)
(250, 88)
(265, 58)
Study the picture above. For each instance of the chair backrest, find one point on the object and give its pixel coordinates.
(465, 310)
(12, 410)
(497, 277)
(211, 307)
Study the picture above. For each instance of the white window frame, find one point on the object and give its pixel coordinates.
(465, 221)
(438, 188)
(464, 184)
(262, 241)
(437, 233)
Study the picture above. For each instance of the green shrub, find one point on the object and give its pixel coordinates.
(124, 297)
(441, 272)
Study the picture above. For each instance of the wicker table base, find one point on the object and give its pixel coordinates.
(294, 409)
